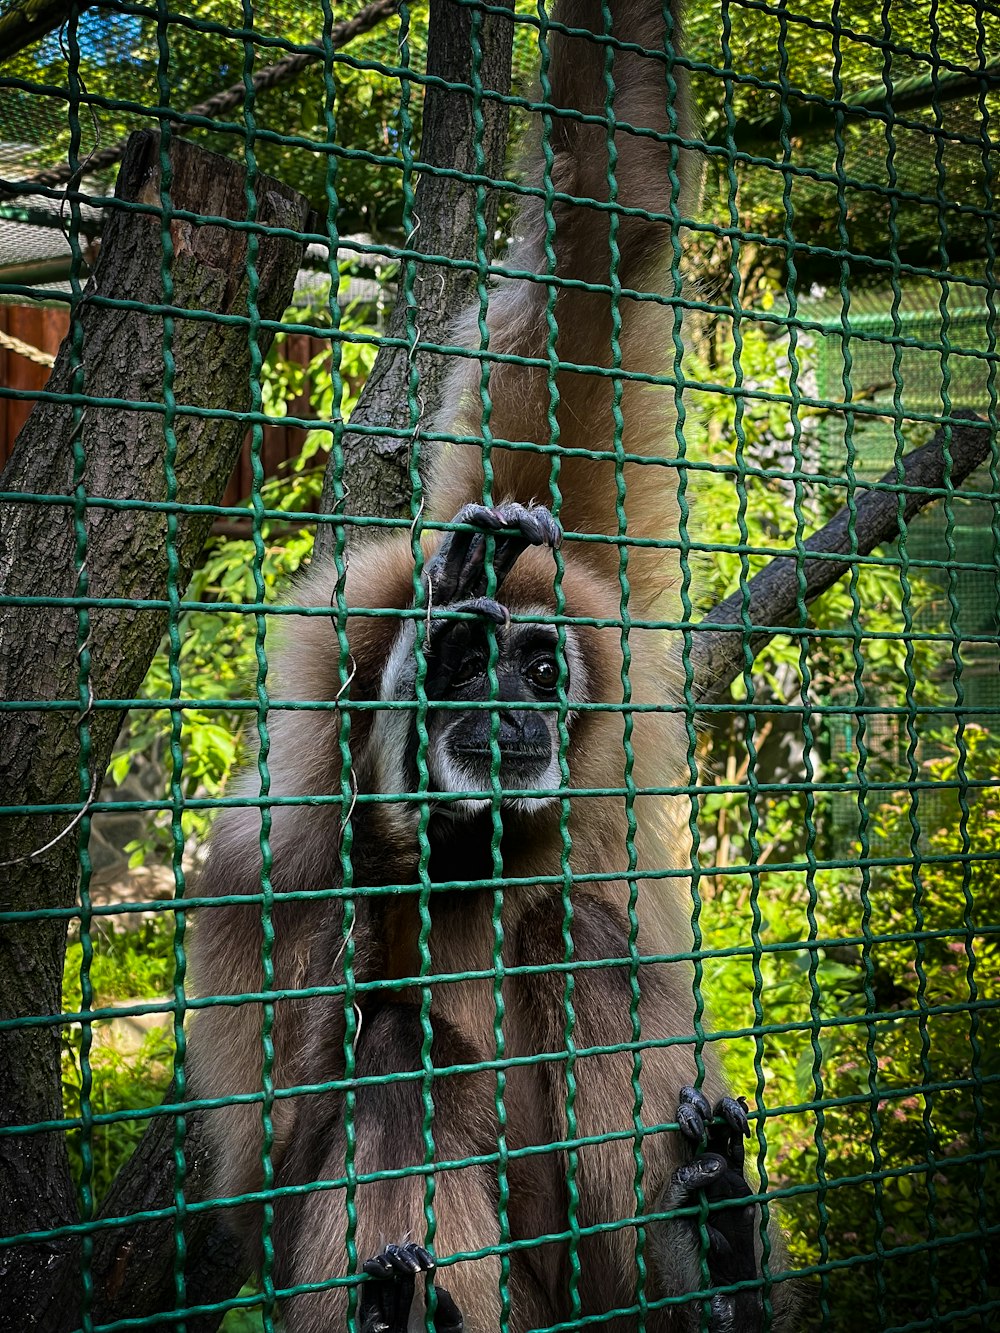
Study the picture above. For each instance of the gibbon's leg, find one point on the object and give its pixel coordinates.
(605, 1171)
(732, 1232)
(457, 570)
(388, 1201)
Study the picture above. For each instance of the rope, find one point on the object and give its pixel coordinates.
(21, 348)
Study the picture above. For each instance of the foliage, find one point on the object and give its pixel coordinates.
(359, 183)
(248, 1320)
(131, 1059)
(882, 1040)
(120, 58)
(782, 65)
(786, 734)
(855, 1083)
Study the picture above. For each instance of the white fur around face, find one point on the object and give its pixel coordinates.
(447, 775)
(391, 728)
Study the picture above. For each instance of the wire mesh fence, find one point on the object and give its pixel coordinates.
(441, 996)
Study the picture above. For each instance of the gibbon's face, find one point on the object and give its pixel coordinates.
(527, 672)
(459, 755)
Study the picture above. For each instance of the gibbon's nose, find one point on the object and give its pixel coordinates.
(523, 737)
(523, 734)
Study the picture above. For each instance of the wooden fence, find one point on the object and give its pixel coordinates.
(44, 327)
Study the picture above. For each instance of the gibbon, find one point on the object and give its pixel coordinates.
(479, 635)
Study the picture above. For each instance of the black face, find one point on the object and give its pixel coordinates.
(527, 671)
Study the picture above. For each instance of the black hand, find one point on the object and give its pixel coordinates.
(452, 643)
(717, 1175)
(388, 1294)
(699, 1123)
(447, 1316)
(457, 571)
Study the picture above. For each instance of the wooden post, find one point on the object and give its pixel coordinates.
(445, 218)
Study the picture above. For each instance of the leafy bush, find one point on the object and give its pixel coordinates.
(847, 1095)
(131, 1061)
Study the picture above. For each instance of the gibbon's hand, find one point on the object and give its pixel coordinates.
(717, 1174)
(387, 1295)
(457, 577)
(457, 572)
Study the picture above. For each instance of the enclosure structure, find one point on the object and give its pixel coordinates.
(831, 303)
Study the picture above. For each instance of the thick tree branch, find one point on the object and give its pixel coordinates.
(717, 653)
(23, 22)
(446, 222)
(48, 653)
(133, 1265)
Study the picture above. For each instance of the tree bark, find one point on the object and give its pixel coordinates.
(717, 654)
(376, 472)
(125, 556)
(133, 1265)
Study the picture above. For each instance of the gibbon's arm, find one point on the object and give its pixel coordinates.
(647, 98)
(303, 760)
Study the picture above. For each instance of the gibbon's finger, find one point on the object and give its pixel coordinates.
(447, 1317)
(486, 606)
(464, 553)
(459, 568)
(731, 1255)
(408, 1258)
(534, 524)
(533, 527)
(704, 1173)
(448, 571)
(457, 646)
(386, 1297)
(423, 1257)
(728, 1138)
(694, 1114)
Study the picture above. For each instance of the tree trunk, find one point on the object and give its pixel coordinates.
(376, 471)
(44, 648)
(133, 1265)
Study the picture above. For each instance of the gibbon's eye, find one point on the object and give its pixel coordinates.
(543, 672)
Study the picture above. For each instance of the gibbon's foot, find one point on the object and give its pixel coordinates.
(457, 571)
(388, 1294)
(718, 1175)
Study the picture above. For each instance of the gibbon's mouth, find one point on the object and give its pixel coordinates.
(517, 756)
(520, 765)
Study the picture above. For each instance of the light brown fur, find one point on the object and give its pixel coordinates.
(304, 760)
